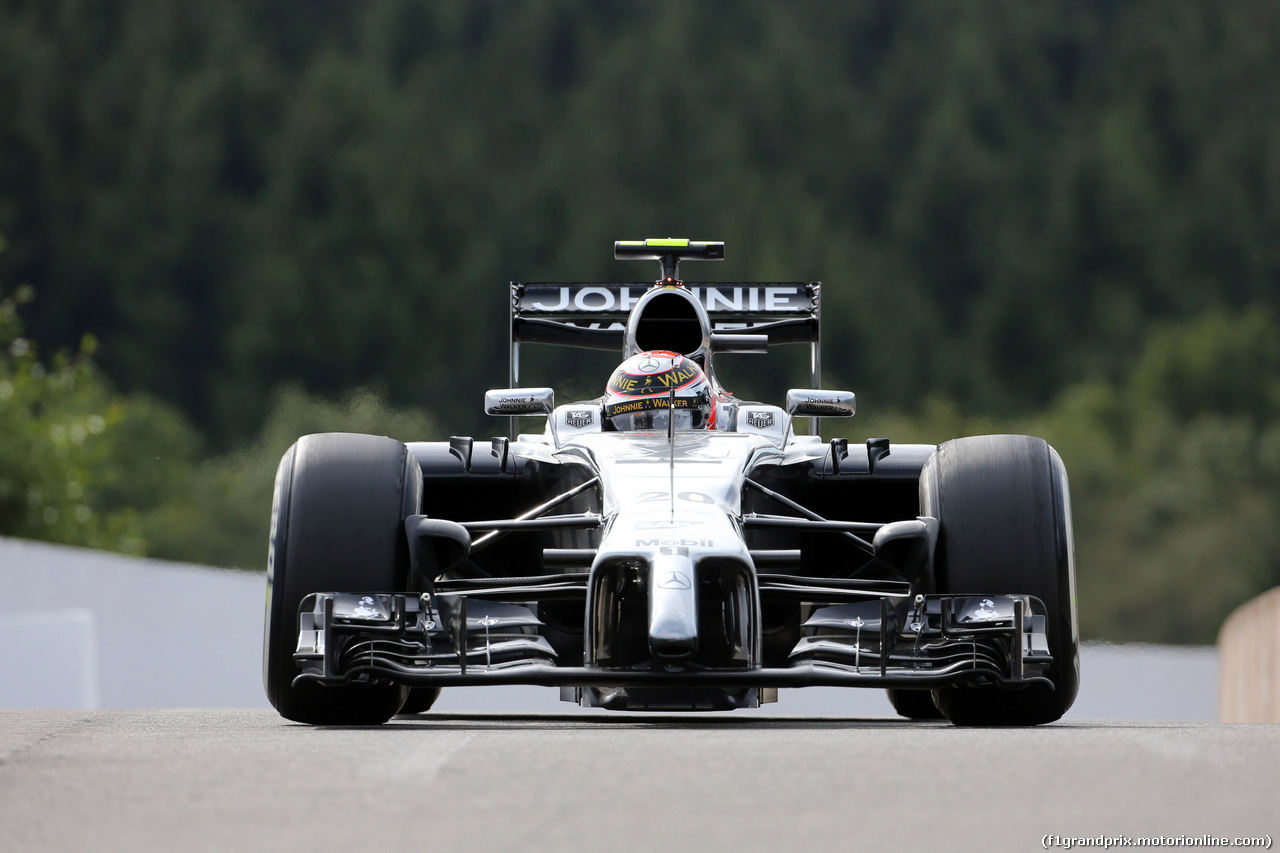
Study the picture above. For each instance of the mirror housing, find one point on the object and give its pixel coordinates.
(813, 403)
(519, 401)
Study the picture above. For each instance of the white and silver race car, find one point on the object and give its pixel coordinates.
(666, 546)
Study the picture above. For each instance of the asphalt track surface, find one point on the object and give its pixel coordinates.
(198, 780)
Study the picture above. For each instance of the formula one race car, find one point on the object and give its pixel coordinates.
(667, 546)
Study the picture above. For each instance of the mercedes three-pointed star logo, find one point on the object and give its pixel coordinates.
(674, 580)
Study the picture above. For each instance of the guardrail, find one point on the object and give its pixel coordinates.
(1249, 662)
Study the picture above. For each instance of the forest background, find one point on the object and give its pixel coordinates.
(223, 225)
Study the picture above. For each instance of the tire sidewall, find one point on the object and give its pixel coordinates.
(1028, 488)
(336, 526)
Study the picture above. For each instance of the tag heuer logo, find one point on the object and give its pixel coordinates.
(760, 420)
(580, 418)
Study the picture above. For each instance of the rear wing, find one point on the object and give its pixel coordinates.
(594, 315)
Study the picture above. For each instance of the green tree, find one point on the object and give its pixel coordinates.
(1015, 209)
(78, 464)
(998, 196)
(1175, 475)
(222, 518)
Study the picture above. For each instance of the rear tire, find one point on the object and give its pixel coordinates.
(913, 704)
(1005, 528)
(337, 525)
(420, 700)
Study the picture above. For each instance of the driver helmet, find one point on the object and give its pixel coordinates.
(639, 394)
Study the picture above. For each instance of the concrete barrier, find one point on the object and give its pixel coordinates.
(1249, 662)
(87, 629)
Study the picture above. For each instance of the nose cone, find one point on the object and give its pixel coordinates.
(673, 608)
(673, 636)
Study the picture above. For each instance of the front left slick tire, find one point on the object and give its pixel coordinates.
(1004, 510)
(337, 525)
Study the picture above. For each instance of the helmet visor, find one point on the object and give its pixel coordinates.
(655, 420)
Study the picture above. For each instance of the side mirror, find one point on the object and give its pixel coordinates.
(812, 403)
(520, 401)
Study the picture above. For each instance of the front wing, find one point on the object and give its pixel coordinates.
(489, 634)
